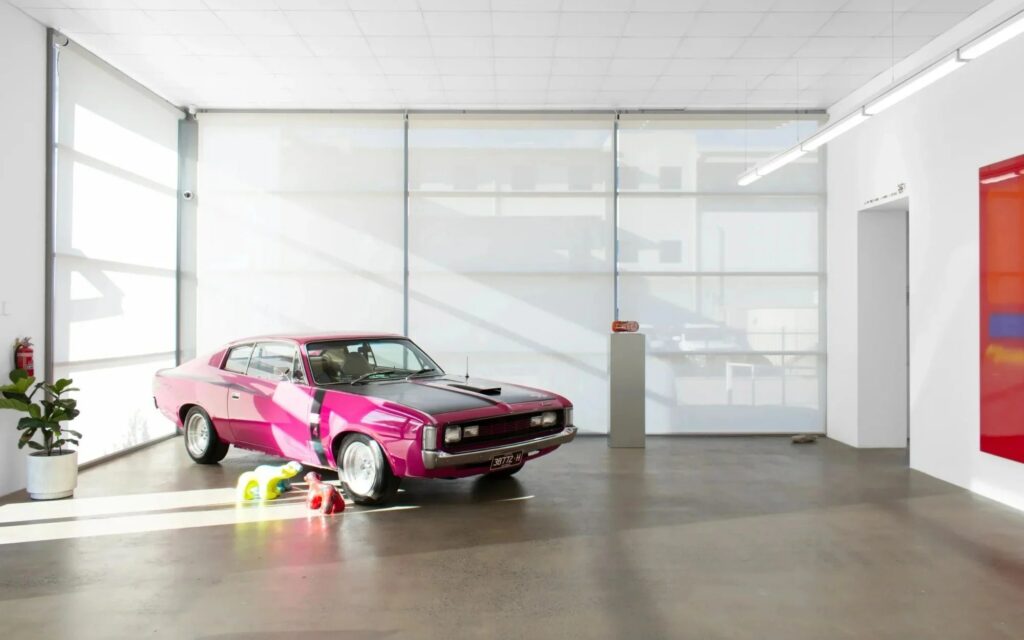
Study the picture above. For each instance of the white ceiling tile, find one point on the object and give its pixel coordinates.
(577, 98)
(525, 5)
(592, 24)
(679, 99)
(665, 6)
(596, 5)
(241, 5)
(398, 47)
(121, 21)
(861, 23)
(809, 66)
(417, 82)
(465, 66)
(886, 47)
(256, 23)
(453, 47)
(628, 83)
(522, 66)
(323, 23)
(727, 99)
(267, 46)
(87, 4)
(724, 24)
(525, 24)
(750, 67)
(882, 6)
(176, 5)
(781, 83)
(585, 47)
(450, 23)
(524, 47)
(791, 24)
(623, 99)
(478, 98)
(744, 83)
(695, 67)
(312, 5)
(383, 5)
(647, 47)
(658, 24)
(783, 6)
(926, 24)
(212, 45)
(391, 23)
(189, 23)
(832, 47)
(532, 99)
(346, 46)
(576, 83)
(131, 44)
(579, 66)
(455, 5)
(682, 83)
(740, 5)
(468, 83)
(769, 47)
(522, 83)
(637, 66)
(947, 6)
(408, 66)
(861, 66)
(709, 47)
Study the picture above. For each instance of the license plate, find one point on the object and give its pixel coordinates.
(506, 460)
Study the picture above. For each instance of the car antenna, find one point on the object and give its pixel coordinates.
(467, 367)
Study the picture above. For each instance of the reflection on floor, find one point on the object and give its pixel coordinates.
(694, 537)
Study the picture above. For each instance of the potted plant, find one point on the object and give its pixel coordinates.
(53, 466)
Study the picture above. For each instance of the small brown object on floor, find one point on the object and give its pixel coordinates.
(804, 438)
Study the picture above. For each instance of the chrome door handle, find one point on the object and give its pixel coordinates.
(234, 395)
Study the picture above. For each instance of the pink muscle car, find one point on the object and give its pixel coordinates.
(373, 406)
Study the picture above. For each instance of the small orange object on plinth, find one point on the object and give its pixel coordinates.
(625, 326)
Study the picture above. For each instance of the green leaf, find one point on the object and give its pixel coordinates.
(61, 385)
(74, 433)
(18, 374)
(34, 411)
(17, 405)
(33, 445)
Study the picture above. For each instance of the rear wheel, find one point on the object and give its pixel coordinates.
(364, 471)
(201, 440)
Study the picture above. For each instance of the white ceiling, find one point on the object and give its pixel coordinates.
(487, 54)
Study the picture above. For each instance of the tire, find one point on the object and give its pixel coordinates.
(202, 443)
(364, 471)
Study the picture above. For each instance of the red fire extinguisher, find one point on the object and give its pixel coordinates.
(24, 356)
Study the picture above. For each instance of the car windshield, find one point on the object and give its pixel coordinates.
(358, 361)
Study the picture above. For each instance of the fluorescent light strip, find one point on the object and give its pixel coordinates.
(1004, 33)
(918, 82)
(833, 131)
(1009, 29)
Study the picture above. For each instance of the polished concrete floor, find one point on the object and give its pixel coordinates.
(691, 538)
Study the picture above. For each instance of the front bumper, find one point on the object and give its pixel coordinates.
(442, 460)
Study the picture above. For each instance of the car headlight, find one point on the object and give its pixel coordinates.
(568, 417)
(452, 434)
(471, 431)
(429, 438)
(548, 418)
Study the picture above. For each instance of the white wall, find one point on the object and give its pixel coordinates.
(22, 184)
(934, 143)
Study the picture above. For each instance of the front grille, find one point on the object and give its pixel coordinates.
(499, 431)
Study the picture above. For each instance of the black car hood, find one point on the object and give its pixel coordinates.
(445, 394)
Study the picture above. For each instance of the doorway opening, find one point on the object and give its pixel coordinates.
(883, 345)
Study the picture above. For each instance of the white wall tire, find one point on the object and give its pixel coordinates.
(202, 443)
(364, 470)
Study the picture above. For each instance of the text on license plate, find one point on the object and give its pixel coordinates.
(506, 460)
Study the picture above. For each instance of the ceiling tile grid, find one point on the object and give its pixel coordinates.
(488, 54)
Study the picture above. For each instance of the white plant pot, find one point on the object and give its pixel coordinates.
(52, 477)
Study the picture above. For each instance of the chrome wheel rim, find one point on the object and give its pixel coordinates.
(197, 434)
(359, 468)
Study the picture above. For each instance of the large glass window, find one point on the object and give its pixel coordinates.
(724, 280)
(115, 250)
(300, 224)
(510, 249)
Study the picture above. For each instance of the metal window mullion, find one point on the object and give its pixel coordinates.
(405, 225)
(615, 217)
(51, 199)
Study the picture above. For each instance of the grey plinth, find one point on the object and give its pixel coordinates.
(628, 425)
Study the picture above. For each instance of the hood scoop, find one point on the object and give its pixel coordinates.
(486, 391)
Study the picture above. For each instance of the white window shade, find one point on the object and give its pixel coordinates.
(300, 224)
(115, 250)
(725, 281)
(511, 251)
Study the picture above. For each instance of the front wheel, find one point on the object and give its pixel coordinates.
(364, 471)
(201, 440)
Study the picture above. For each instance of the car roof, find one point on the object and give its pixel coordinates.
(305, 338)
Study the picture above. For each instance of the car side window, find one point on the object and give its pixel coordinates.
(273, 361)
(238, 359)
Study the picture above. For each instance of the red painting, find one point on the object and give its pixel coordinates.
(1002, 308)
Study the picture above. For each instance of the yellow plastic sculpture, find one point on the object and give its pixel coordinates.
(266, 482)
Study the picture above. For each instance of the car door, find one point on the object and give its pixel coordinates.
(269, 411)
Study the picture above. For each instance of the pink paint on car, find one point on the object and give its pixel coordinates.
(373, 406)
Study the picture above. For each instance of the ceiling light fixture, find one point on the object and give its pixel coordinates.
(920, 81)
(1001, 33)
